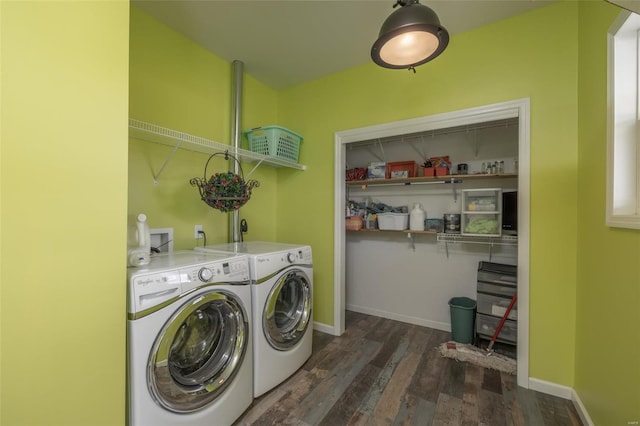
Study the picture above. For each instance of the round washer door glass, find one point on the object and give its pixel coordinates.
(287, 310)
(198, 352)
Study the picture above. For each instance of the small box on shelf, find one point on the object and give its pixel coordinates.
(358, 173)
(401, 169)
(436, 225)
(376, 170)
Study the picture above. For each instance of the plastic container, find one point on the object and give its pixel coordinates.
(451, 223)
(275, 141)
(354, 223)
(393, 221)
(435, 225)
(371, 222)
(416, 218)
(463, 313)
(482, 212)
(139, 251)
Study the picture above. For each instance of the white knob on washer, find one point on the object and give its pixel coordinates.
(291, 257)
(205, 274)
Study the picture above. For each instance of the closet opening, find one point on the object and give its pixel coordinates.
(417, 271)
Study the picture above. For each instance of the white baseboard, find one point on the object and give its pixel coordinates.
(549, 388)
(403, 318)
(580, 408)
(564, 392)
(324, 328)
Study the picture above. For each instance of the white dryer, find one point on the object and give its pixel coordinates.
(190, 357)
(282, 297)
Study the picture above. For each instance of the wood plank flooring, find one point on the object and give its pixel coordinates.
(385, 372)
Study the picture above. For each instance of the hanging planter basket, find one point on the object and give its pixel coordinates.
(225, 191)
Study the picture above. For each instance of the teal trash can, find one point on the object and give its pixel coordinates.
(463, 315)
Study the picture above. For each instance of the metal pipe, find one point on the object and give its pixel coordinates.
(236, 139)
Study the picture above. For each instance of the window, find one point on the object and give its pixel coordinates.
(623, 133)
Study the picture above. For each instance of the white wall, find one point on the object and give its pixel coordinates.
(385, 277)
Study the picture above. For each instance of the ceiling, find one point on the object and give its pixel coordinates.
(283, 43)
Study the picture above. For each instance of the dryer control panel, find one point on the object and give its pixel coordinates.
(269, 263)
(300, 256)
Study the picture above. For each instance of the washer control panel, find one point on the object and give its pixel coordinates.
(229, 271)
(154, 288)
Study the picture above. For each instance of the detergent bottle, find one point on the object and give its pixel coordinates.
(416, 218)
(139, 251)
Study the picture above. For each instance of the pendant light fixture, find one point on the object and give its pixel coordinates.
(410, 36)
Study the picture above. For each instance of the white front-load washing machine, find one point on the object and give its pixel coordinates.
(282, 297)
(190, 355)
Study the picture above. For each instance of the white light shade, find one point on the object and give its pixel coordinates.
(410, 36)
(409, 48)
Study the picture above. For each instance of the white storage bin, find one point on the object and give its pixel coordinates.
(393, 221)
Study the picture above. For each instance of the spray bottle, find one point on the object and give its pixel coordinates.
(139, 252)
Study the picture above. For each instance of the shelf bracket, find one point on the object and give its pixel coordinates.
(475, 143)
(156, 176)
(453, 188)
(446, 248)
(420, 153)
(378, 157)
(254, 168)
(413, 242)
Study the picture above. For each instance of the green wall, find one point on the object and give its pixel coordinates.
(508, 60)
(607, 318)
(63, 196)
(64, 187)
(176, 83)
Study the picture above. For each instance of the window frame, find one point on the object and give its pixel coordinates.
(623, 122)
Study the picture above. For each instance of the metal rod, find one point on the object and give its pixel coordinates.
(236, 139)
(437, 182)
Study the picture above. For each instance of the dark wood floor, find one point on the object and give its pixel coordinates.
(385, 372)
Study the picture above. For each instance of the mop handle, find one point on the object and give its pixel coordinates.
(504, 318)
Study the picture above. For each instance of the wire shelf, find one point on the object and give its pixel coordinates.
(180, 140)
(504, 240)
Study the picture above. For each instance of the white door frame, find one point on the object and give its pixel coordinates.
(520, 109)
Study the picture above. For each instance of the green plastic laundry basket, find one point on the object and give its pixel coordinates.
(463, 314)
(275, 141)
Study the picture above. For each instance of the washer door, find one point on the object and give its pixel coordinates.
(287, 310)
(198, 352)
